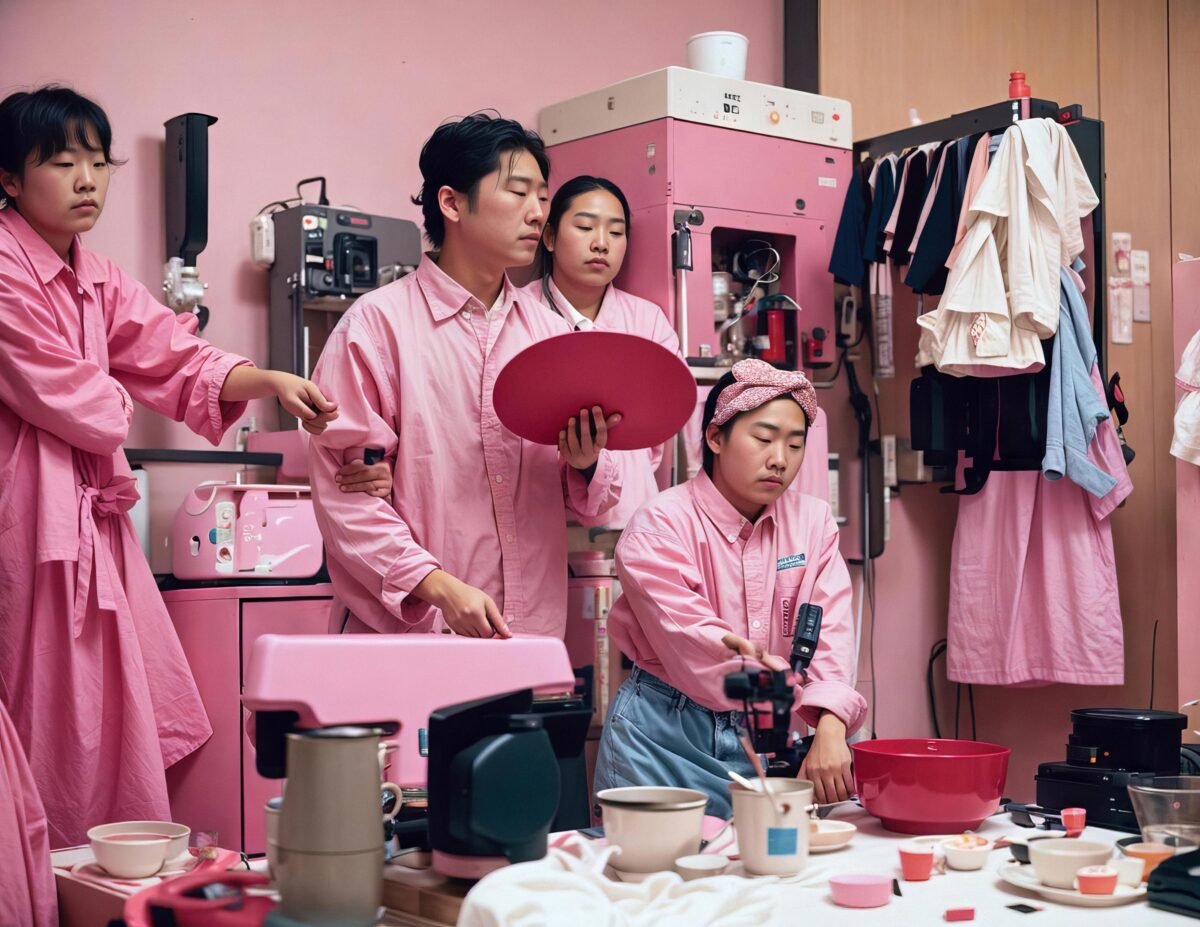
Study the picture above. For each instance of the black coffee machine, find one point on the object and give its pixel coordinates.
(1108, 750)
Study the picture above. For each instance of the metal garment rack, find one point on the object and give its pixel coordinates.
(1088, 137)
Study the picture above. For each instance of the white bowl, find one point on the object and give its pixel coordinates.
(829, 835)
(129, 854)
(965, 858)
(1057, 861)
(651, 826)
(178, 833)
(701, 865)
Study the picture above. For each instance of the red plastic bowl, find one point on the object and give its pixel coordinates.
(930, 786)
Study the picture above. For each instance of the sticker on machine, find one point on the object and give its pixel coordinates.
(827, 182)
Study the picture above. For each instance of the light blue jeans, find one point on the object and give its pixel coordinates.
(656, 735)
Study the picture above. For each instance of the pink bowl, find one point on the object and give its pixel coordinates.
(861, 890)
(930, 786)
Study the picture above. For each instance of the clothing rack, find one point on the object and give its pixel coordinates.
(1087, 135)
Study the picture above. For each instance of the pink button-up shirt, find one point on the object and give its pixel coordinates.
(624, 312)
(412, 366)
(692, 569)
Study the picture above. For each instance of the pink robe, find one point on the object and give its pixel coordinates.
(27, 893)
(90, 668)
(624, 312)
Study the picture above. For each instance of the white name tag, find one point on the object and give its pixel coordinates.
(795, 560)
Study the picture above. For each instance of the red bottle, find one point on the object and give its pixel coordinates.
(1017, 88)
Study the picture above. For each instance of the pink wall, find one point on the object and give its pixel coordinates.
(306, 87)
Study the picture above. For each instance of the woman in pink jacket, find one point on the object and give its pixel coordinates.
(583, 247)
(91, 671)
(725, 561)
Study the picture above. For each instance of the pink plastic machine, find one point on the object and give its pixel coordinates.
(246, 531)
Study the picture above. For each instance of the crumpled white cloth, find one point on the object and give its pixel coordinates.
(1186, 441)
(572, 891)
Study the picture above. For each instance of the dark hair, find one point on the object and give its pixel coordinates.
(46, 121)
(460, 153)
(710, 412)
(563, 198)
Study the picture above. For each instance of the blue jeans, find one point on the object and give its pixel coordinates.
(656, 735)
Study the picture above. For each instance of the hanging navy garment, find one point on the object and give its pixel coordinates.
(910, 206)
(846, 263)
(882, 202)
(927, 270)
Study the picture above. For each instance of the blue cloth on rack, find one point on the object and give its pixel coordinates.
(1076, 409)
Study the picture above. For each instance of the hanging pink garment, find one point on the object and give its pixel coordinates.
(1033, 578)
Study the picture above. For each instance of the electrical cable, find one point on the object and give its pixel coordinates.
(1153, 660)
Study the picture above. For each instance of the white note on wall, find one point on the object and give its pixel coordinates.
(1120, 310)
(1139, 271)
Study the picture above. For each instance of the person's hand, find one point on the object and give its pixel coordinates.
(577, 445)
(744, 648)
(828, 762)
(302, 398)
(373, 479)
(467, 610)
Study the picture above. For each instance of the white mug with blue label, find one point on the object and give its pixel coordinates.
(771, 843)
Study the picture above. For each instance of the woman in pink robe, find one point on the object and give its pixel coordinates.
(91, 671)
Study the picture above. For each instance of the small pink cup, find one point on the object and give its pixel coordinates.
(916, 862)
(1097, 880)
(861, 890)
(1074, 820)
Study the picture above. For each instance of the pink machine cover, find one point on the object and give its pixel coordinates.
(396, 678)
(548, 382)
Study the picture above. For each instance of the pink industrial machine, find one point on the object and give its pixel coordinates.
(754, 175)
(489, 733)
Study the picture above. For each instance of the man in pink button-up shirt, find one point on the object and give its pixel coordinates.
(727, 559)
(473, 536)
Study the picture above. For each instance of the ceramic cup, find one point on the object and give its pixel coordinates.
(772, 843)
(651, 826)
(1074, 820)
(1129, 870)
(1057, 861)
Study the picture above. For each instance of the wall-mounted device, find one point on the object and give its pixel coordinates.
(186, 199)
(324, 257)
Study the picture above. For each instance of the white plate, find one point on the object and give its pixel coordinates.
(1024, 877)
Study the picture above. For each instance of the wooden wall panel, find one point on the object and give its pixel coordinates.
(946, 56)
(1111, 56)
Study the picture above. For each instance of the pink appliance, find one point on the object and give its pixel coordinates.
(236, 531)
(498, 720)
(738, 162)
(396, 680)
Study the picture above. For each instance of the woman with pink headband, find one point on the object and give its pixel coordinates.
(720, 563)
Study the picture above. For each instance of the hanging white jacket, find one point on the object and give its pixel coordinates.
(1186, 443)
(1001, 297)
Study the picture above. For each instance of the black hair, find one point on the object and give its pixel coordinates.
(460, 153)
(710, 412)
(563, 198)
(47, 120)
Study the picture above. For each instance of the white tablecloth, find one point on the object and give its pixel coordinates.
(551, 892)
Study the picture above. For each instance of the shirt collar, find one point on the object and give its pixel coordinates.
(446, 296)
(720, 511)
(88, 269)
(577, 319)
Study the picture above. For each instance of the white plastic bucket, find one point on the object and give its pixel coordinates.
(720, 53)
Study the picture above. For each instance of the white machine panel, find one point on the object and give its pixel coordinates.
(696, 96)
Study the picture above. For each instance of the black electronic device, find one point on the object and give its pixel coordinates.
(1108, 750)
(493, 779)
(187, 185)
